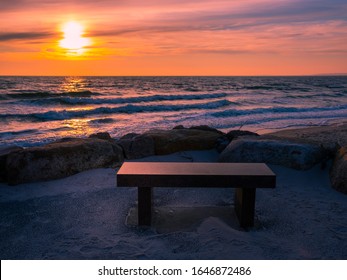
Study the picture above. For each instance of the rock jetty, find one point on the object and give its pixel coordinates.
(300, 149)
(61, 159)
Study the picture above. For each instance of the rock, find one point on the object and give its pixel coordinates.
(280, 152)
(171, 141)
(222, 143)
(206, 128)
(66, 139)
(233, 134)
(331, 137)
(200, 127)
(338, 172)
(179, 127)
(4, 152)
(129, 136)
(137, 146)
(101, 135)
(61, 159)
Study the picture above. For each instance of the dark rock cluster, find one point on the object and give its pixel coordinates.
(338, 172)
(72, 155)
(69, 156)
(61, 159)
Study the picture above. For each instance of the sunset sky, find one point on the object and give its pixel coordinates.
(173, 37)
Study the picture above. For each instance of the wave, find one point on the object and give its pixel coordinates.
(292, 121)
(138, 99)
(127, 109)
(192, 89)
(258, 87)
(278, 87)
(292, 118)
(277, 110)
(16, 133)
(33, 94)
(102, 120)
(316, 95)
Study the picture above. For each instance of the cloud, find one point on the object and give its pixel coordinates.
(188, 8)
(132, 15)
(274, 13)
(24, 36)
(226, 15)
(31, 4)
(216, 26)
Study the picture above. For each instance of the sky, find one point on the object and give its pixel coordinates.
(173, 37)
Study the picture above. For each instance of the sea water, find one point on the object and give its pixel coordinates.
(36, 110)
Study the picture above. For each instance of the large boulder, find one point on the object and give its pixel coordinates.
(137, 146)
(330, 137)
(171, 141)
(338, 172)
(280, 152)
(206, 128)
(101, 135)
(61, 159)
(200, 127)
(224, 141)
(233, 134)
(4, 152)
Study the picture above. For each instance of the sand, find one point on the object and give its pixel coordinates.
(86, 216)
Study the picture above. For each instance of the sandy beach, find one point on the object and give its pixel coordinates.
(85, 216)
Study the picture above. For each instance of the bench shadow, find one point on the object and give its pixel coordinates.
(181, 218)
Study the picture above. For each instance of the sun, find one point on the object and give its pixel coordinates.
(73, 40)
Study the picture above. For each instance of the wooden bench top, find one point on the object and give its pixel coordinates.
(192, 174)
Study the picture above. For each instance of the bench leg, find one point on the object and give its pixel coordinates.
(245, 206)
(144, 206)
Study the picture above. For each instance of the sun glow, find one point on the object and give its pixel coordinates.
(73, 40)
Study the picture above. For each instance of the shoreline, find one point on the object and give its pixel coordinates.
(252, 128)
(20, 165)
(326, 123)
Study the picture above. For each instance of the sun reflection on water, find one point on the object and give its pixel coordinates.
(76, 128)
(73, 84)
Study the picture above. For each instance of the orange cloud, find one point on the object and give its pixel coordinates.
(176, 37)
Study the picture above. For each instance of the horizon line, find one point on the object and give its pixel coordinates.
(250, 75)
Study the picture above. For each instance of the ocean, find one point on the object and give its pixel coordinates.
(37, 110)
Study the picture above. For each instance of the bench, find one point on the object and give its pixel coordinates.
(245, 177)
